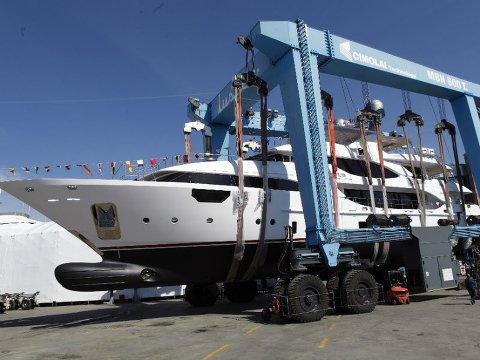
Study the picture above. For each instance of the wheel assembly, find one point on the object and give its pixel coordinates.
(25, 304)
(360, 291)
(308, 298)
(200, 294)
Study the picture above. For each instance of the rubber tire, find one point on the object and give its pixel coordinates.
(394, 301)
(241, 292)
(32, 304)
(11, 304)
(2, 308)
(202, 295)
(25, 304)
(360, 291)
(407, 301)
(308, 298)
(17, 304)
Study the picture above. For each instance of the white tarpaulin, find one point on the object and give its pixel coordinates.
(31, 250)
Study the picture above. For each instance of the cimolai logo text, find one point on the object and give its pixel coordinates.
(355, 56)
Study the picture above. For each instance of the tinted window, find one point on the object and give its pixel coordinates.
(215, 196)
(229, 180)
(395, 200)
(359, 168)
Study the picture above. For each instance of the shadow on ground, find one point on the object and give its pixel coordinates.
(165, 311)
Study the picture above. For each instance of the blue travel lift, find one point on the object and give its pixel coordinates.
(291, 55)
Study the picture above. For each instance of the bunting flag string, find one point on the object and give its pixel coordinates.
(151, 164)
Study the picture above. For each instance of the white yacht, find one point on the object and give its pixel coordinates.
(178, 225)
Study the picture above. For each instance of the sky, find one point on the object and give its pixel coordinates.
(96, 81)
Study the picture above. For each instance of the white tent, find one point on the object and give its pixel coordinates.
(31, 250)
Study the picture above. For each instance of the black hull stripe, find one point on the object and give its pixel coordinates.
(180, 245)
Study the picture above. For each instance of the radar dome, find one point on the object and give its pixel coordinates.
(339, 122)
(377, 105)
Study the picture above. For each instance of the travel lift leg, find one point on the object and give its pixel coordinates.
(407, 117)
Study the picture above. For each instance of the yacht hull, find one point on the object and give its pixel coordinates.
(147, 267)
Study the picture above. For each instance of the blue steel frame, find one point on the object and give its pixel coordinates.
(291, 55)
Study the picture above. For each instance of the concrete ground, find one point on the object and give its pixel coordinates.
(437, 325)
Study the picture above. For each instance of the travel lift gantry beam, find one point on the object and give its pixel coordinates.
(292, 55)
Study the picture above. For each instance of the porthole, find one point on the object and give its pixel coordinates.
(257, 221)
(146, 220)
(174, 220)
(272, 222)
(209, 220)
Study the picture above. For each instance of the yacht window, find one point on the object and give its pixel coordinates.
(395, 200)
(213, 196)
(418, 171)
(105, 218)
(271, 157)
(359, 168)
(229, 180)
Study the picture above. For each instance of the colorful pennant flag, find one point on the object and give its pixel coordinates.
(36, 169)
(12, 170)
(164, 158)
(86, 168)
(113, 167)
(185, 158)
(196, 156)
(177, 157)
(139, 162)
(47, 168)
(129, 166)
(27, 170)
(68, 167)
(153, 162)
(100, 168)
